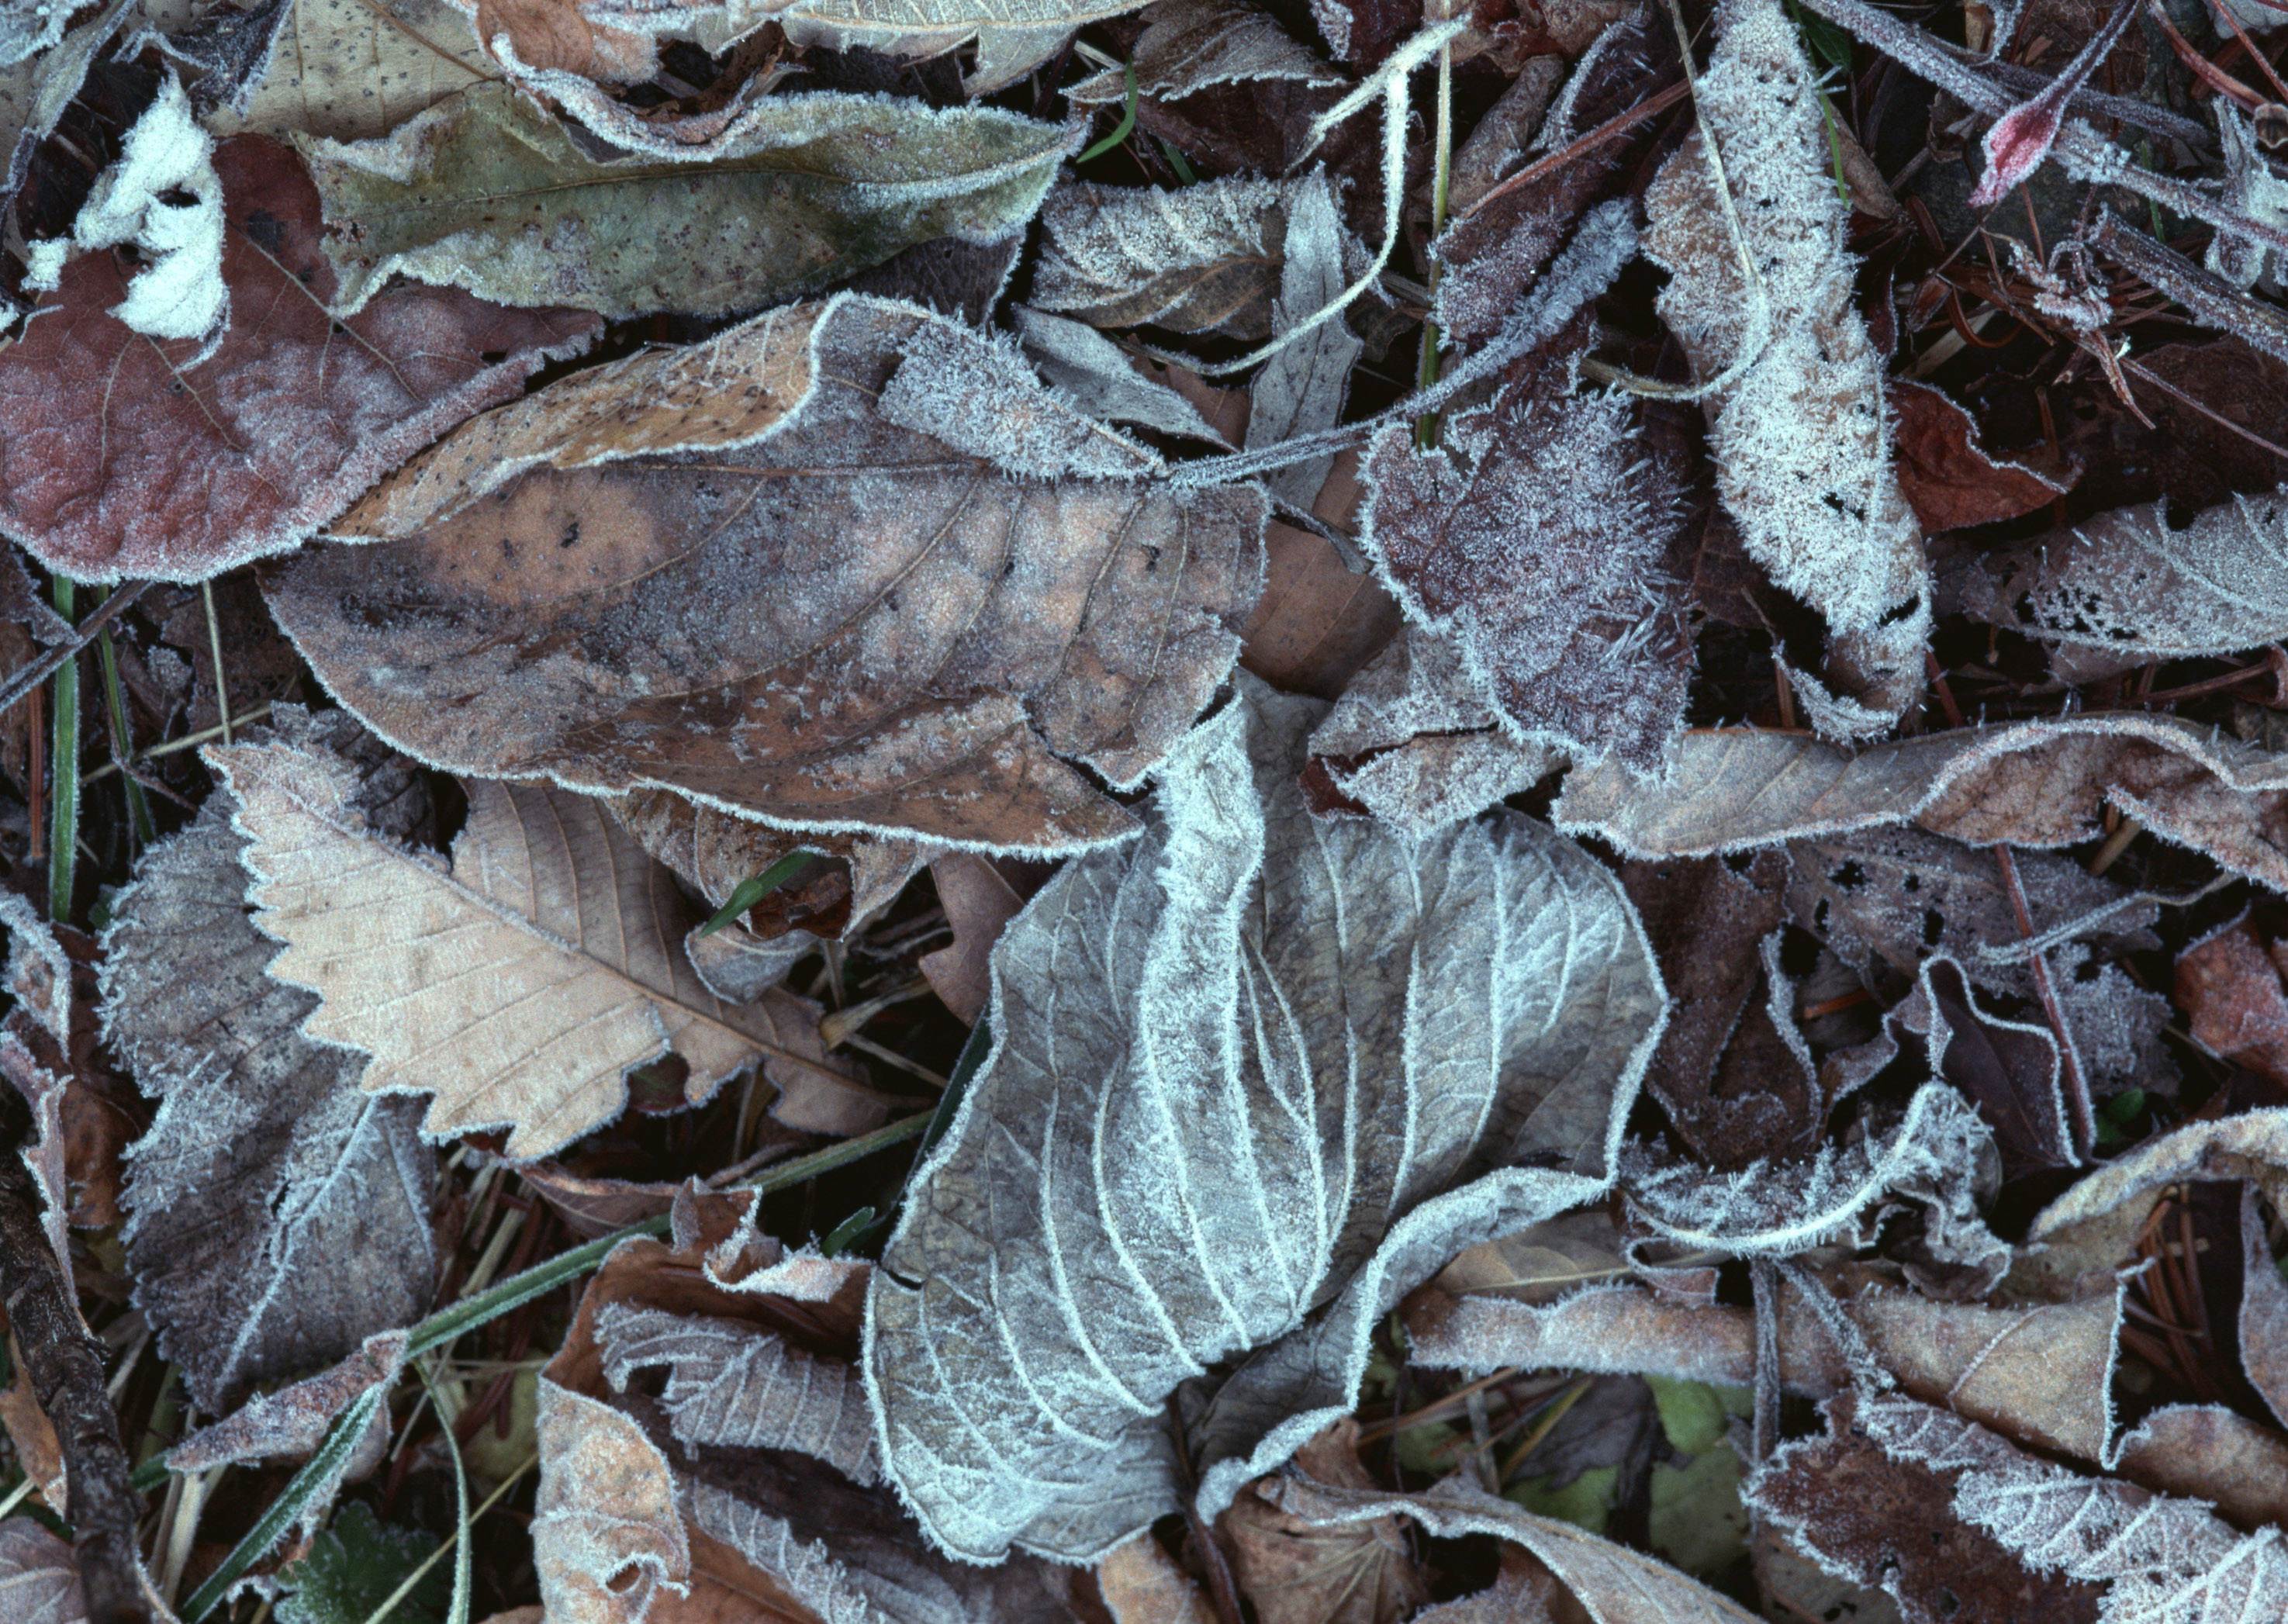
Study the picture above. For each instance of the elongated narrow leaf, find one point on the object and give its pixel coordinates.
(1256, 1075)
(489, 193)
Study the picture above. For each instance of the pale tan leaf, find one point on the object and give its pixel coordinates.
(519, 985)
(1202, 1000)
(747, 579)
(2252, 1144)
(607, 1537)
(352, 68)
(2024, 783)
(1296, 1572)
(1142, 1585)
(1801, 433)
(979, 903)
(2206, 1451)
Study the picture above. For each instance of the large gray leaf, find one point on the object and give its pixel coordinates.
(487, 191)
(1256, 1076)
(279, 1214)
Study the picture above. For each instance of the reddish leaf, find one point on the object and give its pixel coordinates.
(118, 457)
(1950, 481)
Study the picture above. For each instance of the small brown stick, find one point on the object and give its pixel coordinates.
(65, 1363)
(27, 678)
(1620, 124)
(1764, 1434)
(2225, 16)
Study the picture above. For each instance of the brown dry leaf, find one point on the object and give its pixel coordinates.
(1885, 1523)
(1142, 1584)
(2252, 1145)
(1610, 1583)
(39, 1576)
(1950, 481)
(2263, 1309)
(2206, 1451)
(2230, 988)
(552, 36)
(1296, 1572)
(519, 985)
(120, 456)
(2024, 783)
(978, 901)
(1531, 539)
(1319, 621)
(910, 642)
(293, 1420)
(352, 68)
(1800, 432)
(39, 1453)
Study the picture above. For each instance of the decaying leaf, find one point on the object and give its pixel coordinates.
(979, 903)
(2137, 584)
(1800, 433)
(1189, 45)
(1201, 260)
(1610, 1583)
(518, 987)
(1303, 1139)
(39, 1577)
(280, 1214)
(2229, 984)
(1532, 539)
(790, 604)
(1296, 1572)
(2251, 1145)
(1950, 481)
(1103, 382)
(356, 69)
(1142, 1584)
(2028, 783)
(119, 456)
(489, 193)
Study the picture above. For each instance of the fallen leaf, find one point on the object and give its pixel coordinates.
(1262, 1225)
(118, 457)
(2263, 1310)
(745, 637)
(2141, 584)
(1101, 378)
(1886, 1523)
(487, 192)
(279, 1215)
(2229, 986)
(293, 1420)
(465, 983)
(1800, 433)
(2251, 1145)
(356, 69)
(1322, 616)
(39, 1577)
(1301, 388)
(979, 903)
(2027, 783)
(1199, 259)
(1950, 481)
(1142, 1585)
(1531, 539)
(2206, 1451)
(1189, 45)
(1295, 1572)
(1610, 1583)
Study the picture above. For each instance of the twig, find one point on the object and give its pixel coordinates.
(2076, 1089)
(65, 1363)
(214, 651)
(1549, 163)
(1765, 1434)
(27, 678)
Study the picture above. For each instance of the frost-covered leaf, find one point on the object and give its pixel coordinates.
(1950, 481)
(1800, 433)
(607, 1538)
(2163, 1560)
(1532, 538)
(292, 1421)
(1142, 1584)
(279, 1214)
(1296, 1572)
(812, 616)
(1189, 45)
(2252, 1144)
(2263, 1310)
(355, 68)
(1300, 389)
(1206, 258)
(1415, 742)
(489, 193)
(1610, 1583)
(729, 1386)
(39, 1576)
(1331, 1057)
(1778, 1208)
(520, 986)
(2026, 783)
(1101, 380)
(30, 27)
(118, 457)
(2132, 582)
(1862, 1515)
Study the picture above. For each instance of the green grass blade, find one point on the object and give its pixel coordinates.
(1127, 121)
(753, 890)
(341, 1439)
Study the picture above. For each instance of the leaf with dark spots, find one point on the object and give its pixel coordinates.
(805, 589)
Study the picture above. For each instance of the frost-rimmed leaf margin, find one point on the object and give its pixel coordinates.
(1303, 1321)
